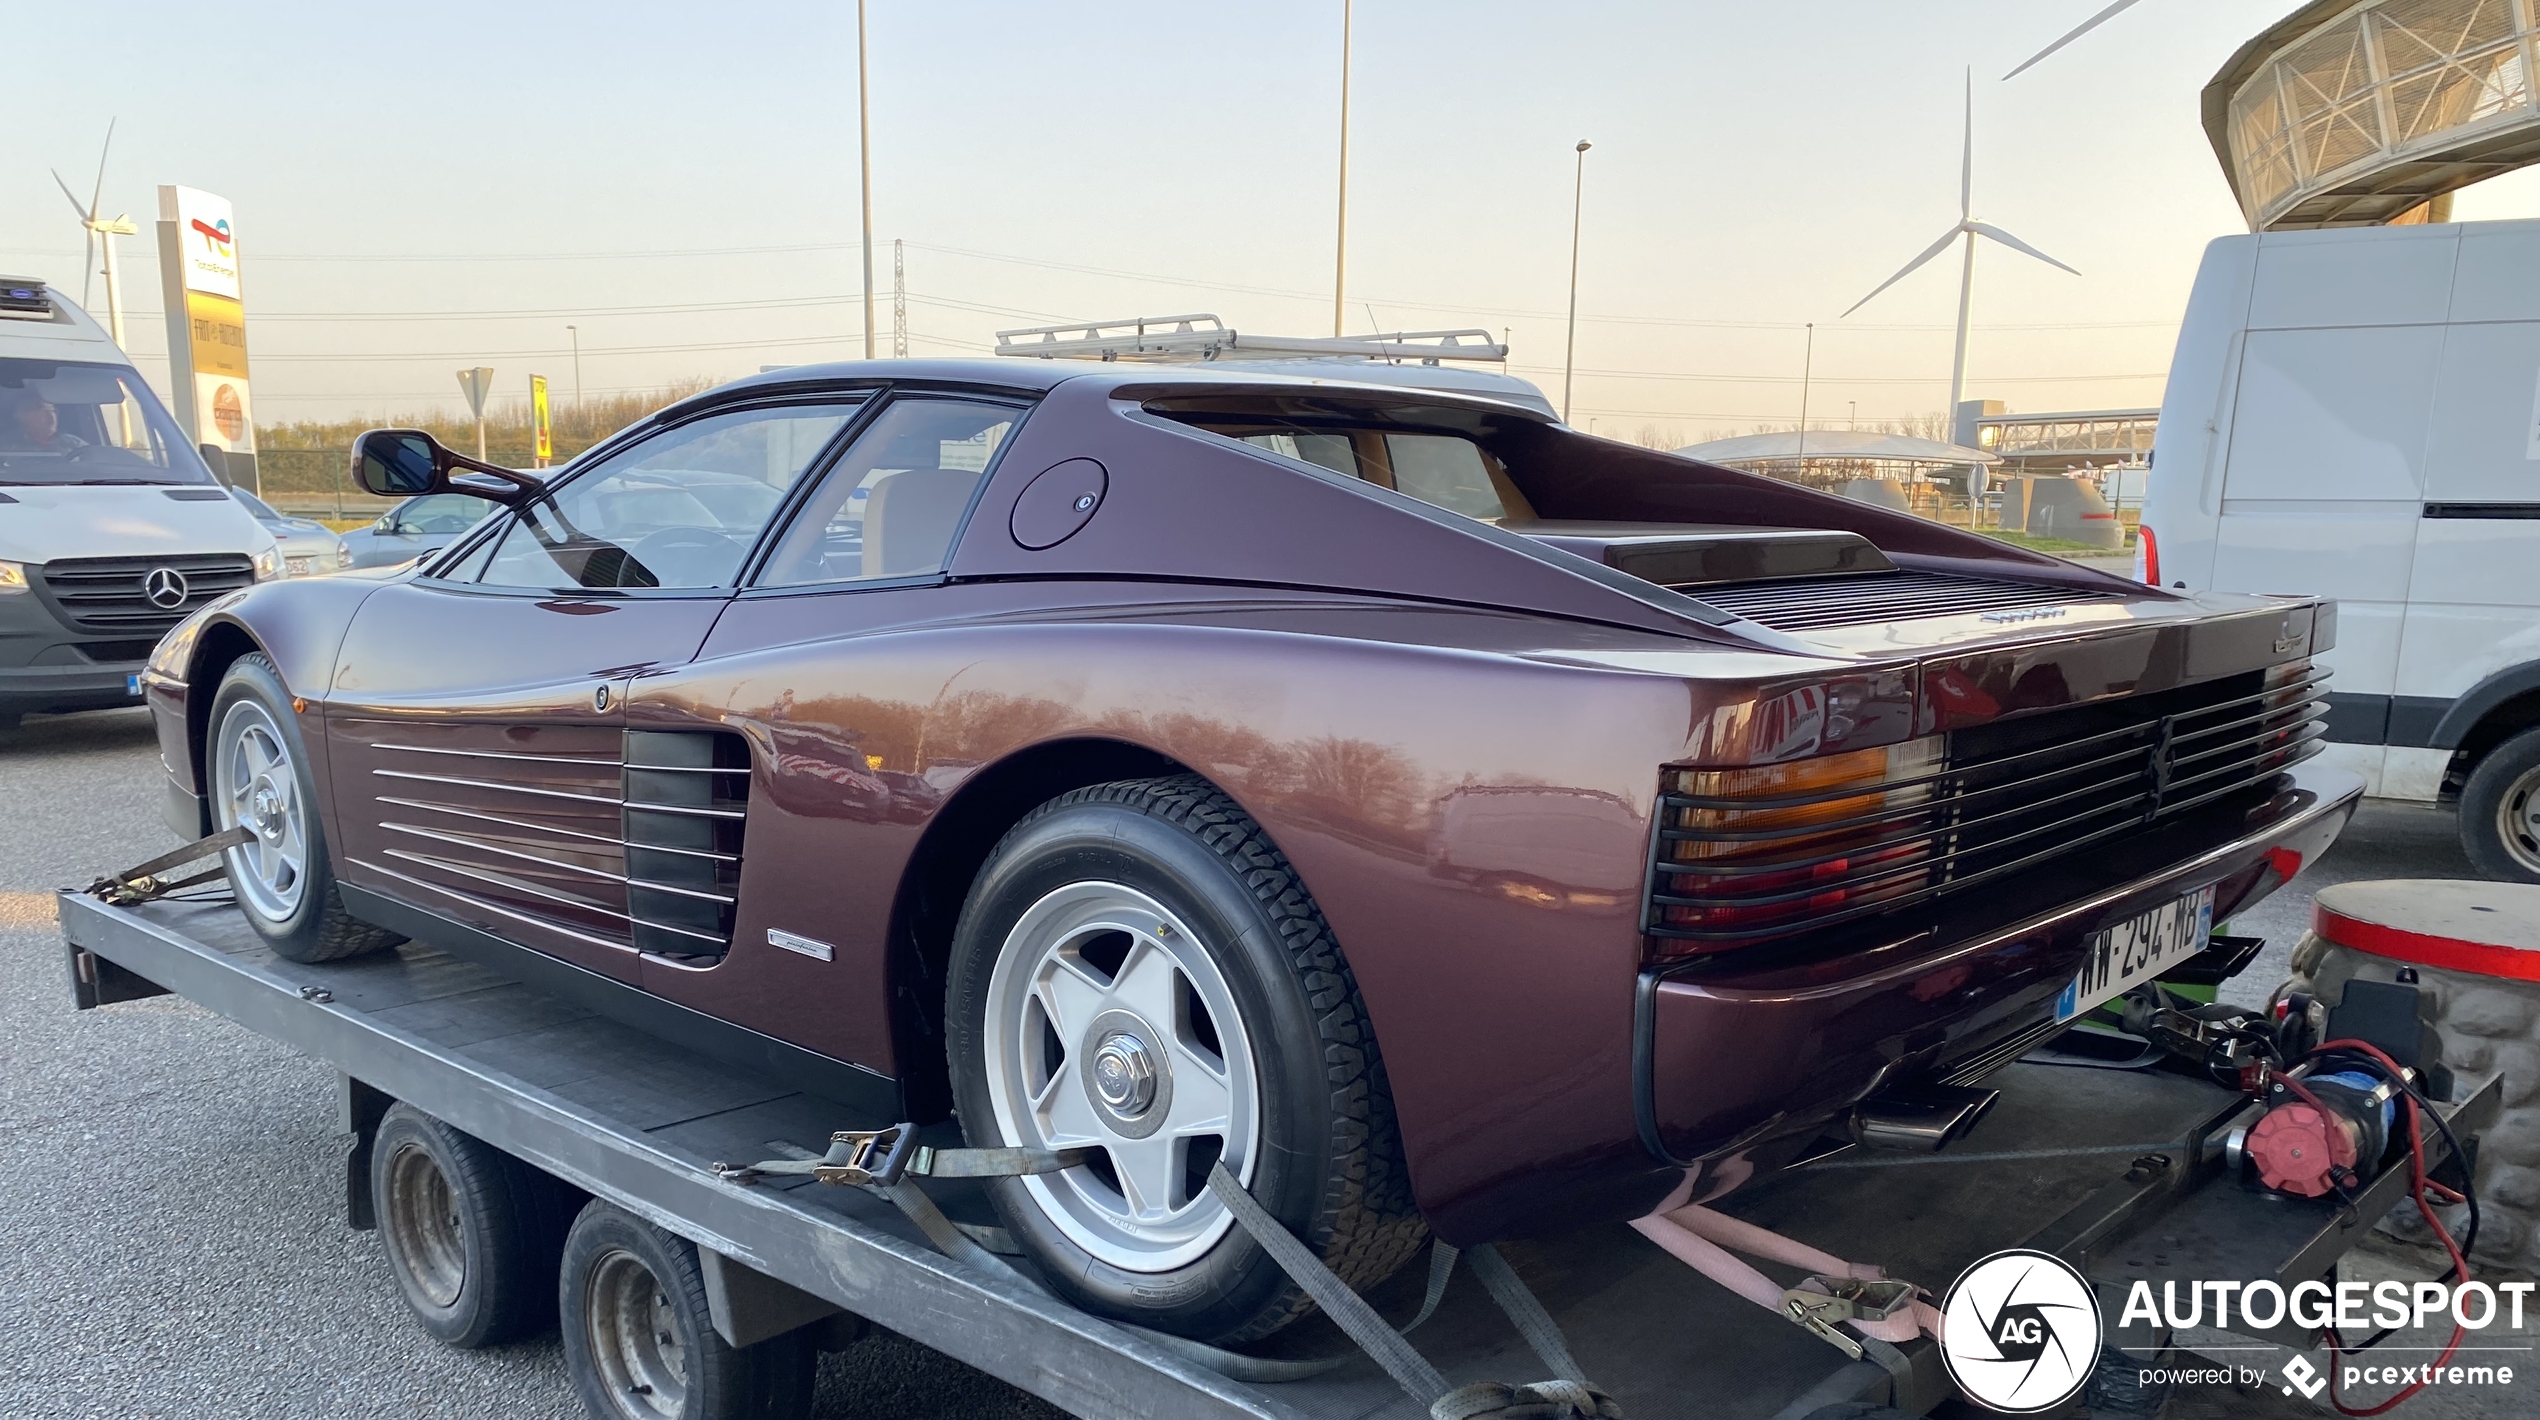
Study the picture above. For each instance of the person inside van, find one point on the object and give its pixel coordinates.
(34, 426)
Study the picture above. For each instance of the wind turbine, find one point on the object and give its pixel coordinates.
(1969, 229)
(2084, 28)
(103, 230)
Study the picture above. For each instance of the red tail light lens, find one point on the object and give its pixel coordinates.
(2147, 556)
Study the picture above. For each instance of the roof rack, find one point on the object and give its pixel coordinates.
(1167, 339)
(24, 298)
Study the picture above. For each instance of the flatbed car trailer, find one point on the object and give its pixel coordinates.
(2118, 1172)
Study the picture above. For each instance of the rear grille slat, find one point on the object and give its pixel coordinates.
(108, 594)
(1861, 599)
(2006, 796)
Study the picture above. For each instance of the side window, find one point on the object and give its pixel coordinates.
(890, 506)
(680, 509)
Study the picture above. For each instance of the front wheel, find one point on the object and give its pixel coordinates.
(258, 776)
(2500, 811)
(1139, 971)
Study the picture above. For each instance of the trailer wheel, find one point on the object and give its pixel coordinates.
(472, 1233)
(257, 773)
(641, 1345)
(1139, 970)
(2500, 811)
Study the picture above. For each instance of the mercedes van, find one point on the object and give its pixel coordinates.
(2355, 413)
(112, 527)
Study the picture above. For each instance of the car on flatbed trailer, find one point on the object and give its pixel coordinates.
(1134, 760)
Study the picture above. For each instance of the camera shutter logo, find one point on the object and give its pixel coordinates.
(2020, 1331)
(164, 588)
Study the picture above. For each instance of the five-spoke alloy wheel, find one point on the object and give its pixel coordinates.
(1139, 972)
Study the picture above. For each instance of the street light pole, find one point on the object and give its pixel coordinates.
(1807, 373)
(1340, 242)
(576, 332)
(1569, 356)
(864, 134)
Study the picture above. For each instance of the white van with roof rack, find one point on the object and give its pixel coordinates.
(112, 527)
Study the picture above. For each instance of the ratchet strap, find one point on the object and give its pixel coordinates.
(886, 1162)
(140, 883)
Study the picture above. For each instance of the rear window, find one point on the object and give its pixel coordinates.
(1446, 470)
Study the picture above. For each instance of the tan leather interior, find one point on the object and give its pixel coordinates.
(910, 517)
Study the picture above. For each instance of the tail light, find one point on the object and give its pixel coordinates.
(1753, 852)
(2147, 556)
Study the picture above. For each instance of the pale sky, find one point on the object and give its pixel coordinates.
(1756, 167)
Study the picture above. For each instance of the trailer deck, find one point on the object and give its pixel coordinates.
(639, 1122)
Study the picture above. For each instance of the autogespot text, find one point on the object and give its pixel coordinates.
(2351, 1307)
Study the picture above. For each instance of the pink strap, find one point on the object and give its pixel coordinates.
(1701, 1239)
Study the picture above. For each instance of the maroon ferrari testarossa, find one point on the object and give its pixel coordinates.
(1446, 819)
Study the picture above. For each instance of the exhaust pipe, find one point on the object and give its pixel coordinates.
(1923, 1117)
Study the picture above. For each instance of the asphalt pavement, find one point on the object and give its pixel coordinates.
(172, 1239)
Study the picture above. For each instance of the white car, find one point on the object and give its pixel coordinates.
(111, 528)
(2356, 413)
(309, 548)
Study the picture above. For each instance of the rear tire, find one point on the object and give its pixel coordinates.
(473, 1234)
(1138, 969)
(256, 771)
(2500, 811)
(641, 1345)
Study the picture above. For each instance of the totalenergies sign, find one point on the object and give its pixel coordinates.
(207, 324)
(209, 242)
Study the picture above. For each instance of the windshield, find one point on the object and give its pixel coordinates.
(67, 422)
(257, 506)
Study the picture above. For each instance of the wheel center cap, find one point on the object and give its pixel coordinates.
(1124, 1074)
(1121, 1064)
(265, 807)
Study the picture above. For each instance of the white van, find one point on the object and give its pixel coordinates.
(2356, 413)
(111, 526)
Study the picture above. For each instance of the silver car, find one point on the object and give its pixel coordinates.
(309, 548)
(414, 527)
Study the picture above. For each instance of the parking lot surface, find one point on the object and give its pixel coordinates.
(172, 1239)
(171, 1185)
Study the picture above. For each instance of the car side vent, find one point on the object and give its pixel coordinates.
(687, 799)
(1815, 603)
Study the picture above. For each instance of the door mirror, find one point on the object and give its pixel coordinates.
(401, 463)
(216, 459)
(398, 463)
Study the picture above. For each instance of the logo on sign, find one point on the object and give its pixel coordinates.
(215, 236)
(2020, 1331)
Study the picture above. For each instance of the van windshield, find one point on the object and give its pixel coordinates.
(68, 422)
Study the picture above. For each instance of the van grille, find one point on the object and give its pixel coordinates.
(2008, 796)
(110, 595)
(1814, 603)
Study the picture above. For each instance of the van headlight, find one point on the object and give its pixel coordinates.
(12, 577)
(268, 564)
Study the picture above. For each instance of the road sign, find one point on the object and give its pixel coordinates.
(476, 384)
(541, 430)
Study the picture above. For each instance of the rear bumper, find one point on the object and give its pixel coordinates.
(1750, 1065)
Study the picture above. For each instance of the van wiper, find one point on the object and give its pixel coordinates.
(121, 482)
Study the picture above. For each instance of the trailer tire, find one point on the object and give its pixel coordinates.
(1177, 900)
(256, 770)
(472, 1233)
(2500, 811)
(641, 1345)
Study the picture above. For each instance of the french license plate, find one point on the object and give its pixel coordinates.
(299, 566)
(132, 686)
(2131, 953)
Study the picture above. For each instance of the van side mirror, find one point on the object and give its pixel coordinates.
(402, 463)
(216, 459)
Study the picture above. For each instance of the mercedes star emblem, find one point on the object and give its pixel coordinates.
(165, 588)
